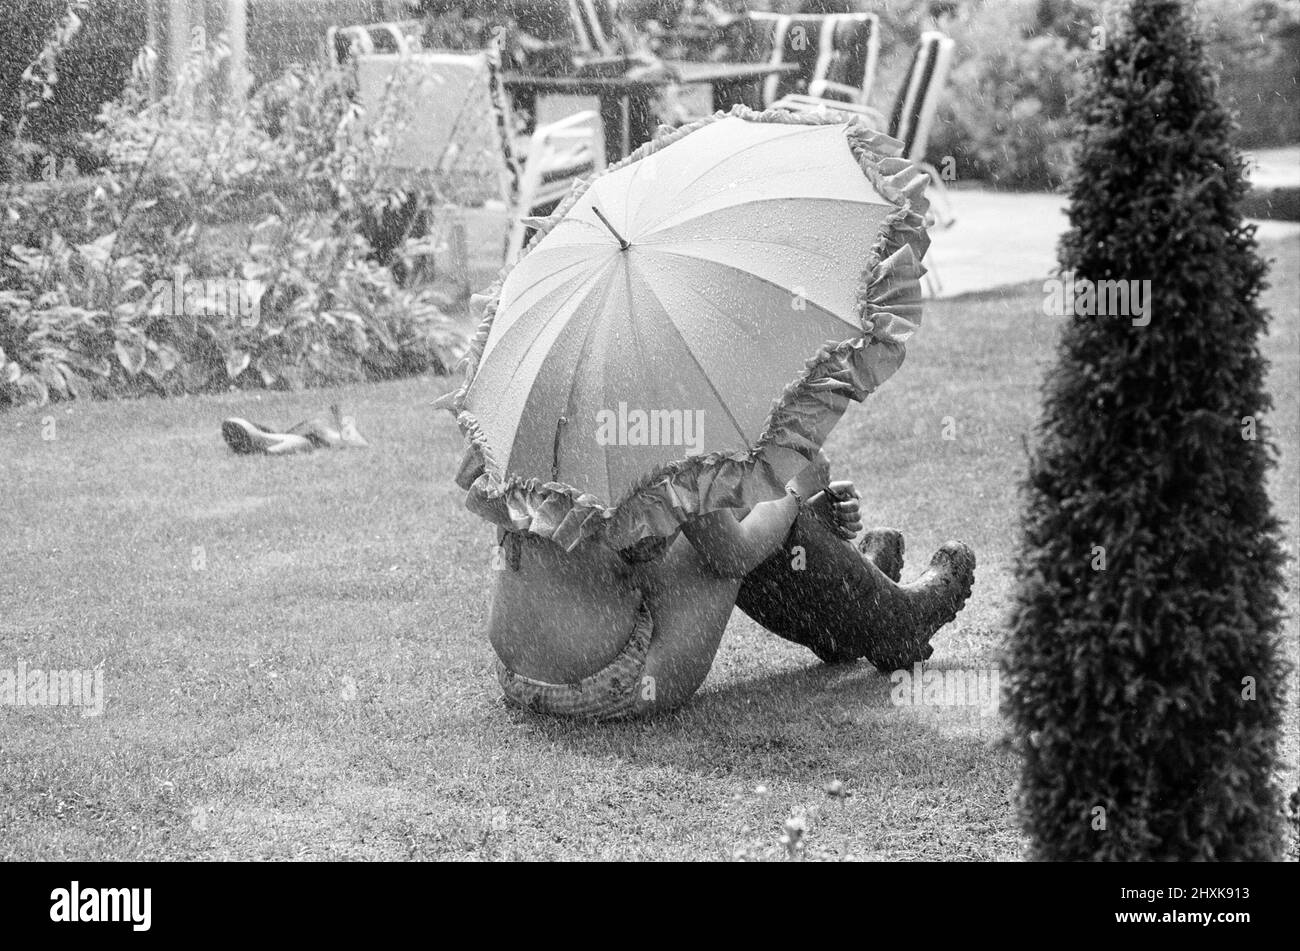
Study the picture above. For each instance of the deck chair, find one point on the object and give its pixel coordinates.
(581, 36)
(910, 117)
(836, 53)
(914, 107)
(457, 134)
(558, 154)
(912, 114)
(600, 36)
(594, 28)
(345, 42)
(451, 127)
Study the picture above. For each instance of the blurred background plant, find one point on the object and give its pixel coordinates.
(61, 61)
(1005, 117)
(107, 191)
(278, 194)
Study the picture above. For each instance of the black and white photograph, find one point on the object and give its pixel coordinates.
(736, 431)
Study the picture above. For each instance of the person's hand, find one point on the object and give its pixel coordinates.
(813, 478)
(838, 507)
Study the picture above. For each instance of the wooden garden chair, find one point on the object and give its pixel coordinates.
(345, 42)
(910, 118)
(836, 52)
(456, 133)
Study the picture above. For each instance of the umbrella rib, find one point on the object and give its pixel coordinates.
(723, 313)
(577, 365)
(694, 359)
(627, 278)
(581, 262)
(731, 155)
(582, 285)
(661, 227)
(758, 277)
(631, 216)
(655, 246)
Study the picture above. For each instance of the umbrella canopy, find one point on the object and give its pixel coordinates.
(690, 325)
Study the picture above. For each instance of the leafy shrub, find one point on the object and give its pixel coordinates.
(1004, 117)
(1257, 49)
(272, 195)
(1146, 690)
(91, 69)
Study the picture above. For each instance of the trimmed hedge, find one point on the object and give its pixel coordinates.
(1145, 674)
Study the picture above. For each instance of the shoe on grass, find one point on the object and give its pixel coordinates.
(351, 437)
(247, 438)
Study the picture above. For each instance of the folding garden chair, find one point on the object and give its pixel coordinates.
(914, 107)
(557, 155)
(595, 29)
(450, 125)
(836, 53)
(344, 42)
(912, 115)
(454, 128)
(910, 118)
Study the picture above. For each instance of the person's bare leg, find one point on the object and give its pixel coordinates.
(820, 592)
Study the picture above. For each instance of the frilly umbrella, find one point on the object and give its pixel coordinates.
(686, 329)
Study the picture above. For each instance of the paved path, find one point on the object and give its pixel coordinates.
(1005, 238)
(1275, 168)
(998, 239)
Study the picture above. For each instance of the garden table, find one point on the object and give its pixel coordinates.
(626, 102)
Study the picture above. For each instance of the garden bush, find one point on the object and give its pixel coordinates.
(1145, 678)
(1256, 47)
(253, 211)
(1005, 116)
(91, 70)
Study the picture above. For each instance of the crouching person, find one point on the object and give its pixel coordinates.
(603, 634)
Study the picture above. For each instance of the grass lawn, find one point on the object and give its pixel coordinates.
(295, 663)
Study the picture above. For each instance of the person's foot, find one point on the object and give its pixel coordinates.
(883, 547)
(943, 591)
(351, 438)
(244, 437)
(247, 438)
(953, 568)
